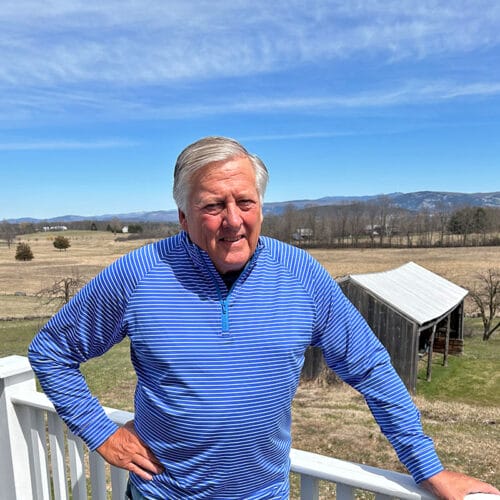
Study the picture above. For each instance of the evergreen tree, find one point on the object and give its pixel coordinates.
(23, 252)
(61, 242)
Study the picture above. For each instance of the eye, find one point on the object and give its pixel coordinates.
(246, 204)
(213, 208)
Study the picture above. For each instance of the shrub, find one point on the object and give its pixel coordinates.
(23, 252)
(61, 243)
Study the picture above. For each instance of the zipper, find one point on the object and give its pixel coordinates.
(224, 302)
(225, 316)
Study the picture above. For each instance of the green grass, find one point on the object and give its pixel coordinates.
(472, 378)
(15, 336)
(111, 377)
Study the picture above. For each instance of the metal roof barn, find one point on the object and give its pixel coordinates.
(413, 311)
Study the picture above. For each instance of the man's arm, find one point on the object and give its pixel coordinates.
(86, 327)
(353, 351)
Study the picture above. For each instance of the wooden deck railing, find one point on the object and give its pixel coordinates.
(40, 459)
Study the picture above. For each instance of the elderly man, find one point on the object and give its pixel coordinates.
(218, 319)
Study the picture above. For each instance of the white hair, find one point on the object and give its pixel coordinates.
(209, 150)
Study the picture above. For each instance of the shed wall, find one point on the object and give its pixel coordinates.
(397, 334)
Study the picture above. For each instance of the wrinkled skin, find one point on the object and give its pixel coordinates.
(126, 450)
(449, 485)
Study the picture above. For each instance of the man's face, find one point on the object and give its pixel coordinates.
(224, 213)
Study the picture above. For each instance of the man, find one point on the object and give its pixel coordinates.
(219, 318)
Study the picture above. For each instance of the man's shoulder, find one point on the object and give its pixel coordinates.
(295, 262)
(286, 254)
(148, 255)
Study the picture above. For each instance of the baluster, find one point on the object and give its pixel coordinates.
(57, 456)
(344, 492)
(97, 476)
(309, 487)
(119, 479)
(39, 454)
(77, 469)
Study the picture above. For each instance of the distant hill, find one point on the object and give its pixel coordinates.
(420, 200)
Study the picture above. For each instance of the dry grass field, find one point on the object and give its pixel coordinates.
(458, 264)
(90, 252)
(335, 422)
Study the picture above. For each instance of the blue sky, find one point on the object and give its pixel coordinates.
(337, 97)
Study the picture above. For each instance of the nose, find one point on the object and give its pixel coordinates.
(232, 217)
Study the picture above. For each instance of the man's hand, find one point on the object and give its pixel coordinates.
(449, 485)
(126, 450)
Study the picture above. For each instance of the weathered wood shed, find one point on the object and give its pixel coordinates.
(413, 311)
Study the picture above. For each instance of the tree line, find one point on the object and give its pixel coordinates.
(377, 224)
(381, 224)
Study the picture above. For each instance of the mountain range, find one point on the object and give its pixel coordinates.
(420, 200)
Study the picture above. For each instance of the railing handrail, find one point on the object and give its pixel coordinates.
(41, 401)
(385, 482)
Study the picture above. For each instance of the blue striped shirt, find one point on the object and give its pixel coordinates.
(217, 369)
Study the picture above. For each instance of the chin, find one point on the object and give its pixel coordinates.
(232, 266)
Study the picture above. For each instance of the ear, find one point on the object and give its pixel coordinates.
(183, 220)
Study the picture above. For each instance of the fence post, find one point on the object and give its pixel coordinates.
(15, 376)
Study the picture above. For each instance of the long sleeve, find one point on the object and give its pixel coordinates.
(86, 327)
(357, 356)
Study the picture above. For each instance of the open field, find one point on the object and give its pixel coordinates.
(458, 264)
(90, 252)
(460, 407)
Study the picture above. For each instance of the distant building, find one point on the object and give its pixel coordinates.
(303, 234)
(54, 228)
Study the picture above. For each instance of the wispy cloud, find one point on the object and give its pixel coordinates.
(154, 42)
(413, 93)
(299, 135)
(130, 106)
(74, 58)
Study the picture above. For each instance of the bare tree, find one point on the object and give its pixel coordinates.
(486, 296)
(62, 289)
(7, 232)
(443, 217)
(356, 222)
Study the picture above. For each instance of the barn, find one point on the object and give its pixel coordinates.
(413, 311)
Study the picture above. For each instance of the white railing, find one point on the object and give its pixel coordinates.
(40, 459)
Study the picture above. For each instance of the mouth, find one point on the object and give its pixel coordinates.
(231, 239)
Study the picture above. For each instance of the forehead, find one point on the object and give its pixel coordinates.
(225, 176)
